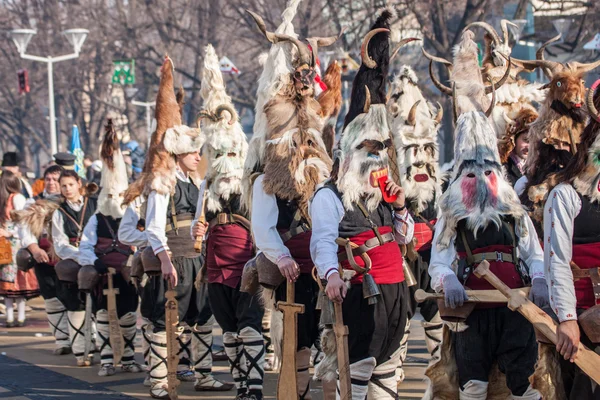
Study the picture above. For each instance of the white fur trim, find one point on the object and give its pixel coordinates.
(182, 139)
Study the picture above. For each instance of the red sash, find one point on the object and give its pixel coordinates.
(228, 248)
(585, 256)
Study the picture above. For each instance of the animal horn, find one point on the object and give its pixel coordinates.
(508, 120)
(205, 114)
(504, 24)
(367, 100)
(454, 103)
(583, 68)
(304, 53)
(539, 54)
(487, 27)
(412, 114)
(402, 43)
(590, 102)
(227, 108)
(447, 63)
(530, 65)
(489, 110)
(443, 88)
(495, 86)
(316, 42)
(364, 48)
(440, 113)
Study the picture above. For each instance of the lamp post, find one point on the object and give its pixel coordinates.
(76, 37)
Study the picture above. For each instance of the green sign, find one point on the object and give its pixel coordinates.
(124, 72)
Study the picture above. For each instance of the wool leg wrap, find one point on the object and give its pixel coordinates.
(234, 349)
(158, 359)
(128, 329)
(434, 332)
(59, 324)
(383, 383)
(403, 352)
(106, 353)
(146, 335)
(303, 373)
(360, 373)
(530, 394)
(270, 359)
(254, 353)
(474, 390)
(185, 350)
(76, 332)
(202, 338)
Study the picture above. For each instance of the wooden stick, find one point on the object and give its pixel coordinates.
(171, 323)
(343, 357)
(117, 343)
(201, 220)
(475, 296)
(586, 359)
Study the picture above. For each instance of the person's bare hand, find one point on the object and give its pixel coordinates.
(336, 288)
(38, 254)
(289, 269)
(167, 268)
(393, 189)
(199, 229)
(568, 336)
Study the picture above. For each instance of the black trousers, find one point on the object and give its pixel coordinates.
(235, 310)
(193, 308)
(127, 299)
(375, 330)
(68, 293)
(306, 292)
(47, 279)
(420, 269)
(496, 334)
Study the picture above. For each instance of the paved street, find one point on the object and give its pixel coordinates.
(29, 370)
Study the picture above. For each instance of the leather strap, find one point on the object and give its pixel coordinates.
(492, 256)
(368, 245)
(180, 221)
(224, 219)
(296, 228)
(79, 224)
(593, 273)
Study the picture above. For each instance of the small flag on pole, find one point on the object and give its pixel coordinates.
(77, 151)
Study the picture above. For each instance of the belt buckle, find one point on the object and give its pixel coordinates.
(499, 257)
(222, 219)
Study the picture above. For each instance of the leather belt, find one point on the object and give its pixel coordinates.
(368, 245)
(224, 219)
(594, 274)
(490, 256)
(183, 221)
(302, 228)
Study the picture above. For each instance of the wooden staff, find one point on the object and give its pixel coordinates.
(201, 220)
(475, 296)
(117, 343)
(171, 323)
(343, 356)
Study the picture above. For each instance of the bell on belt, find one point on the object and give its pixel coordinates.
(370, 289)
(409, 277)
(320, 300)
(327, 313)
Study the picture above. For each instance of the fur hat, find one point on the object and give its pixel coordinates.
(227, 147)
(519, 126)
(170, 138)
(113, 181)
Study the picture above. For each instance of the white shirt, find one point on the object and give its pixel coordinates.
(264, 223)
(443, 263)
(128, 232)
(89, 239)
(561, 208)
(327, 211)
(520, 185)
(62, 247)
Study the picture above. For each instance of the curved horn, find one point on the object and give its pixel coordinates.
(539, 54)
(447, 63)
(205, 114)
(583, 68)
(590, 102)
(454, 103)
(400, 44)
(530, 65)
(508, 120)
(487, 27)
(316, 42)
(227, 108)
(440, 113)
(364, 48)
(412, 114)
(443, 88)
(367, 105)
(504, 24)
(489, 110)
(495, 86)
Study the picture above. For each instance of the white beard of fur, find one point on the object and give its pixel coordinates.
(587, 184)
(223, 190)
(420, 193)
(355, 186)
(111, 207)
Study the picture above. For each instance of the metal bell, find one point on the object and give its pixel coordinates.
(327, 313)
(320, 300)
(409, 277)
(370, 289)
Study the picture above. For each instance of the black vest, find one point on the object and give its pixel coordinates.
(69, 227)
(428, 214)
(103, 223)
(231, 206)
(287, 210)
(490, 236)
(185, 199)
(586, 224)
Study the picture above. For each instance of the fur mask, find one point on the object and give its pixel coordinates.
(477, 190)
(588, 181)
(114, 180)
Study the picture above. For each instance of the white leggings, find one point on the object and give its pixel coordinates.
(10, 311)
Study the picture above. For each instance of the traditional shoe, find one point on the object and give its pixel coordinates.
(208, 383)
(106, 370)
(21, 323)
(133, 367)
(159, 391)
(186, 376)
(147, 381)
(81, 362)
(253, 396)
(10, 324)
(59, 351)
(269, 365)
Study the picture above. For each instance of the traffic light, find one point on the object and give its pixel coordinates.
(23, 81)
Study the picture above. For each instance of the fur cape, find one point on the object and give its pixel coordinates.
(331, 104)
(37, 216)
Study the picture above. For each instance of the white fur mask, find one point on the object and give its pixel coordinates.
(588, 181)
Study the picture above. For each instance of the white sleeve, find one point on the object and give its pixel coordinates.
(531, 251)
(128, 233)
(19, 202)
(156, 221)
(264, 223)
(326, 212)
(399, 222)
(89, 239)
(199, 206)
(520, 185)
(62, 247)
(561, 208)
(442, 260)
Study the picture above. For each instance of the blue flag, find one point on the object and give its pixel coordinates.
(77, 151)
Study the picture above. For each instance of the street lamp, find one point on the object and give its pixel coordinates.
(76, 37)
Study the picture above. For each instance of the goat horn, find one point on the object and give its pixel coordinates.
(539, 54)
(489, 110)
(508, 120)
(443, 88)
(454, 103)
(489, 30)
(412, 114)
(447, 63)
(316, 42)
(530, 65)
(227, 108)
(583, 68)
(590, 102)
(364, 48)
(502, 80)
(367, 105)
(304, 54)
(504, 24)
(402, 43)
(440, 113)
(205, 114)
